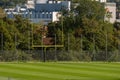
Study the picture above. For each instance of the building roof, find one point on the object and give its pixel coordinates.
(48, 7)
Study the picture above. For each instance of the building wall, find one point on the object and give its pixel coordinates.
(52, 6)
(41, 1)
(30, 4)
(47, 7)
(103, 0)
(55, 16)
(41, 10)
(100, 1)
(67, 4)
(110, 12)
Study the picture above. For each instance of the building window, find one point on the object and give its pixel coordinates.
(35, 15)
(47, 15)
(43, 15)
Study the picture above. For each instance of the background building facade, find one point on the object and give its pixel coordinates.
(36, 11)
(110, 12)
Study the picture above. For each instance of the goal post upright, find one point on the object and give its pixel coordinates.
(43, 46)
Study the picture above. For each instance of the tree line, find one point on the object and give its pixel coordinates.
(87, 37)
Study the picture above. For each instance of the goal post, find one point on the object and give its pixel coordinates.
(44, 46)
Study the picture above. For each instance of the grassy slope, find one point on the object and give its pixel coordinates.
(60, 71)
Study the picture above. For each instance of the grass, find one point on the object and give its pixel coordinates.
(60, 71)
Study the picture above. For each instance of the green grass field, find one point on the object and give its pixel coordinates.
(60, 71)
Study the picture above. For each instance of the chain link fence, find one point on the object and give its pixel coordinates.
(59, 55)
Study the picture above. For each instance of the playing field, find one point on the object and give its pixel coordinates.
(60, 71)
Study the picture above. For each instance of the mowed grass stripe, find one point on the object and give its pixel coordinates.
(61, 68)
(20, 76)
(75, 65)
(67, 66)
(47, 70)
(37, 73)
(86, 74)
(66, 74)
(92, 74)
(27, 76)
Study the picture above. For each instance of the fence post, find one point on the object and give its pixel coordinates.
(68, 42)
(81, 43)
(94, 47)
(55, 48)
(2, 41)
(106, 49)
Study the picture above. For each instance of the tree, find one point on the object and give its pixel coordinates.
(2, 14)
(91, 10)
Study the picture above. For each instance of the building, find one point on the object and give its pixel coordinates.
(44, 11)
(30, 4)
(110, 12)
(102, 1)
(110, 8)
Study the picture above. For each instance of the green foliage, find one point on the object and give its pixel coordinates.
(84, 32)
(90, 9)
(10, 3)
(2, 14)
(88, 32)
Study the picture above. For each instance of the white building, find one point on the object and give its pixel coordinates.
(110, 8)
(46, 11)
(102, 1)
(30, 4)
(110, 12)
(41, 1)
(41, 10)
